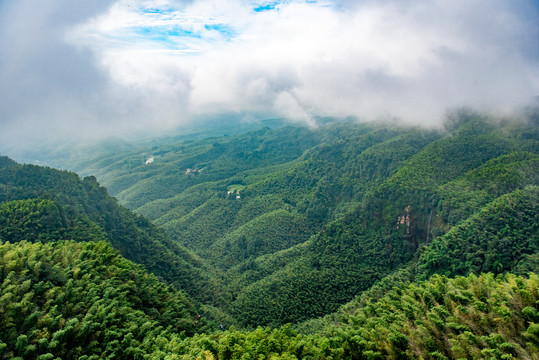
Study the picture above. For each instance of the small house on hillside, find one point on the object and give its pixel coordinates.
(231, 194)
(191, 172)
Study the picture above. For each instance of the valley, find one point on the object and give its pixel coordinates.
(269, 180)
(297, 221)
(302, 242)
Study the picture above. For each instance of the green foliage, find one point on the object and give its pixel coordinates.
(266, 234)
(274, 227)
(496, 239)
(432, 319)
(437, 319)
(325, 213)
(6, 162)
(66, 299)
(461, 198)
(43, 220)
(43, 204)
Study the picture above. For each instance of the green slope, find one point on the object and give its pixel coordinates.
(352, 253)
(71, 299)
(473, 317)
(323, 214)
(43, 204)
(500, 237)
(250, 240)
(385, 221)
(83, 300)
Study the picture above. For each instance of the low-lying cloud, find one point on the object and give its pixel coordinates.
(134, 66)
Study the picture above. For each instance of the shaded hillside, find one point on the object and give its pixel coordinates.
(360, 199)
(501, 237)
(43, 204)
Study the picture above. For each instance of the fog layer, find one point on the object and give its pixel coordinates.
(100, 68)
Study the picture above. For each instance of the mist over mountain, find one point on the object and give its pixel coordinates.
(146, 67)
(269, 179)
(278, 242)
(298, 220)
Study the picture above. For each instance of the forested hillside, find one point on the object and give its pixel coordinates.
(297, 221)
(41, 204)
(373, 241)
(82, 300)
(67, 300)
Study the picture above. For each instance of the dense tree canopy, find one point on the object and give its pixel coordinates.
(376, 242)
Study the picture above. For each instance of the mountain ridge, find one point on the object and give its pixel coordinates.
(355, 186)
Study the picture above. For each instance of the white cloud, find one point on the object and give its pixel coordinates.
(141, 64)
(401, 58)
(287, 105)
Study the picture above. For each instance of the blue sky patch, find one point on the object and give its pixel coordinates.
(173, 29)
(266, 6)
(226, 31)
(167, 37)
(156, 32)
(157, 11)
(153, 11)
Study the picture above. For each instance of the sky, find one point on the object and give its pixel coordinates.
(92, 69)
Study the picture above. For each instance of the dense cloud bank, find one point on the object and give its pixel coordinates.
(133, 66)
